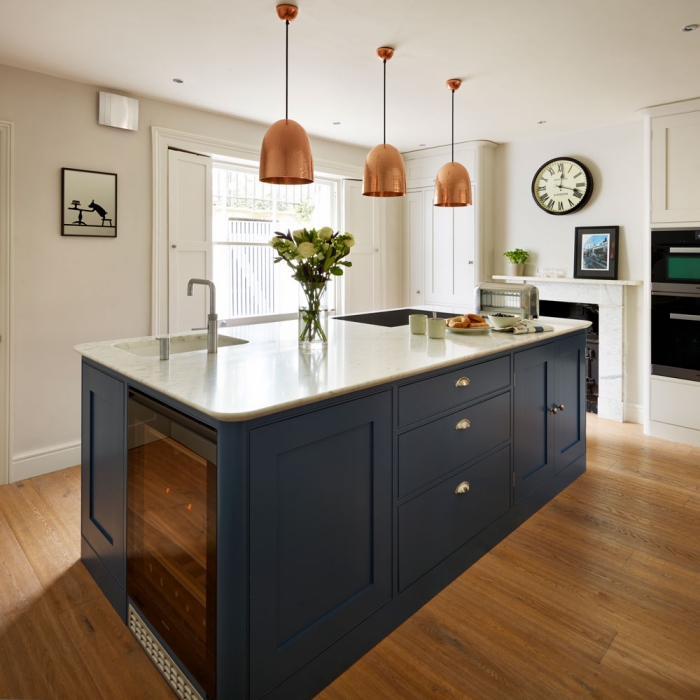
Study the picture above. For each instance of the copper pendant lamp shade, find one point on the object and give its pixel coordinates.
(285, 156)
(385, 173)
(453, 186)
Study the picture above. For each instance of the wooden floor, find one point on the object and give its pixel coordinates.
(596, 596)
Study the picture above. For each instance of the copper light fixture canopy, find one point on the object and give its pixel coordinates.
(285, 156)
(453, 187)
(385, 173)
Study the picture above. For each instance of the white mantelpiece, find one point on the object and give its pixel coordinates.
(609, 295)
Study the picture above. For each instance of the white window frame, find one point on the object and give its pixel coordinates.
(265, 318)
(6, 224)
(240, 154)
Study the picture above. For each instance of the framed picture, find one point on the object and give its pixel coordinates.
(596, 252)
(88, 203)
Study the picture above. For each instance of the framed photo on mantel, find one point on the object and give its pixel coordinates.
(88, 203)
(596, 252)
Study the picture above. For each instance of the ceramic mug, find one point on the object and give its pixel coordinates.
(436, 327)
(417, 323)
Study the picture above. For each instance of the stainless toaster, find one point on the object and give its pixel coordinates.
(495, 297)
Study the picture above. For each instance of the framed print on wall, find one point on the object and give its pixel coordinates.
(88, 203)
(596, 252)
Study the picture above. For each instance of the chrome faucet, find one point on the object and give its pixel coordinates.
(212, 337)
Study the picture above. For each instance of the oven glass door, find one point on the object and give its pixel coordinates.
(674, 264)
(171, 531)
(675, 336)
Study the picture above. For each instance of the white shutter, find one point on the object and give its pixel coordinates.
(363, 281)
(189, 238)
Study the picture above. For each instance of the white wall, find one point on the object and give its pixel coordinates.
(615, 157)
(74, 290)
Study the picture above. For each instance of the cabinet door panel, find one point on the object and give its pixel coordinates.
(103, 469)
(320, 532)
(533, 439)
(570, 392)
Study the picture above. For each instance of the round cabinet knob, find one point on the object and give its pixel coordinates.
(462, 381)
(462, 488)
(554, 410)
(470, 262)
(174, 245)
(463, 424)
(376, 250)
(417, 291)
(561, 406)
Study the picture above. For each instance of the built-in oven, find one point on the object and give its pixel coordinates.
(171, 532)
(675, 335)
(675, 261)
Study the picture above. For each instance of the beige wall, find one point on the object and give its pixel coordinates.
(615, 156)
(74, 290)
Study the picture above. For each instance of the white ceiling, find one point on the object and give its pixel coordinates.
(576, 64)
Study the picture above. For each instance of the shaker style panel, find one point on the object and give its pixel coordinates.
(320, 532)
(441, 520)
(430, 396)
(437, 448)
(103, 469)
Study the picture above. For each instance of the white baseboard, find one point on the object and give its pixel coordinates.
(634, 413)
(50, 459)
(675, 433)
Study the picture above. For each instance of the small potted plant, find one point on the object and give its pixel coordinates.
(517, 258)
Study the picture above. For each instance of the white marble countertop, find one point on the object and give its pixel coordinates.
(570, 280)
(269, 373)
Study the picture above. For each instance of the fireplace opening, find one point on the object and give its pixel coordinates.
(581, 312)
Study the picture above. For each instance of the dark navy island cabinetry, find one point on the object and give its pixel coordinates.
(337, 520)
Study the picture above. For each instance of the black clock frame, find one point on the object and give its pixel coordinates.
(583, 201)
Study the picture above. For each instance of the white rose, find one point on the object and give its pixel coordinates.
(306, 249)
(297, 235)
(326, 232)
(349, 240)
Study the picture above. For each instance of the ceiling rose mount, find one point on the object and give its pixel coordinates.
(453, 187)
(285, 156)
(385, 173)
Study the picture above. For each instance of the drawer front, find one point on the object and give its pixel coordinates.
(438, 522)
(437, 448)
(431, 396)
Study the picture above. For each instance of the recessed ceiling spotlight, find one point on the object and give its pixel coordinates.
(542, 121)
(690, 28)
(336, 123)
(178, 81)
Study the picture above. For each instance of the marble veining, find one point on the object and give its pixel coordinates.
(269, 373)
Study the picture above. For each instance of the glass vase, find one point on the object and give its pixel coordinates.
(313, 316)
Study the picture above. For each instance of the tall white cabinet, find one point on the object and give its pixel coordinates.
(673, 133)
(447, 250)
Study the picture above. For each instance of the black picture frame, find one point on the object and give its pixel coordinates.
(91, 196)
(596, 252)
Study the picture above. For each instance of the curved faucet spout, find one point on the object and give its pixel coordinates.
(212, 292)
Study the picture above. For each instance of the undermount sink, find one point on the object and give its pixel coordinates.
(178, 344)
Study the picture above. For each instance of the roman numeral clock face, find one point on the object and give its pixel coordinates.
(562, 186)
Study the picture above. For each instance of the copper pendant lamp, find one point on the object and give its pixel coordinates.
(385, 174)
(453, 187)
(285, 157)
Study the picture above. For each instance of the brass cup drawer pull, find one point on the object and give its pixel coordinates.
(463, 424)
(462, 381)
(462, 488)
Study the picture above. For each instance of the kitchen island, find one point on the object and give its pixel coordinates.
(349, 486)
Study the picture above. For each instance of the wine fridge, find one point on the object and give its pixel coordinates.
(171, 532)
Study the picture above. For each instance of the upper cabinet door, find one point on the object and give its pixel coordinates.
(414, 223)
(675, 168)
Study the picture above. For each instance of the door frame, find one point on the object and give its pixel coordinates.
(6, 228)
(164, 139)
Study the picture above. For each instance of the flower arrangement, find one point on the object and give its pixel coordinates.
(314, 256)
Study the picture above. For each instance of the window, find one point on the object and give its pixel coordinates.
(246, 215)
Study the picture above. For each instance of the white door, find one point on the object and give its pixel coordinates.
(414, 223)
(189, 239)
(363, 281)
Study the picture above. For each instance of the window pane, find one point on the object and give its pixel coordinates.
(246, 215)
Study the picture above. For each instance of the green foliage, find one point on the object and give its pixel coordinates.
(517, 256)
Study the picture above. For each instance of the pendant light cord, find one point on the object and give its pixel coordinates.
(385, 101)
(286, 73)
(453, 126)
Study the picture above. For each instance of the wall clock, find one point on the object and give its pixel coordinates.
(562, 186)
